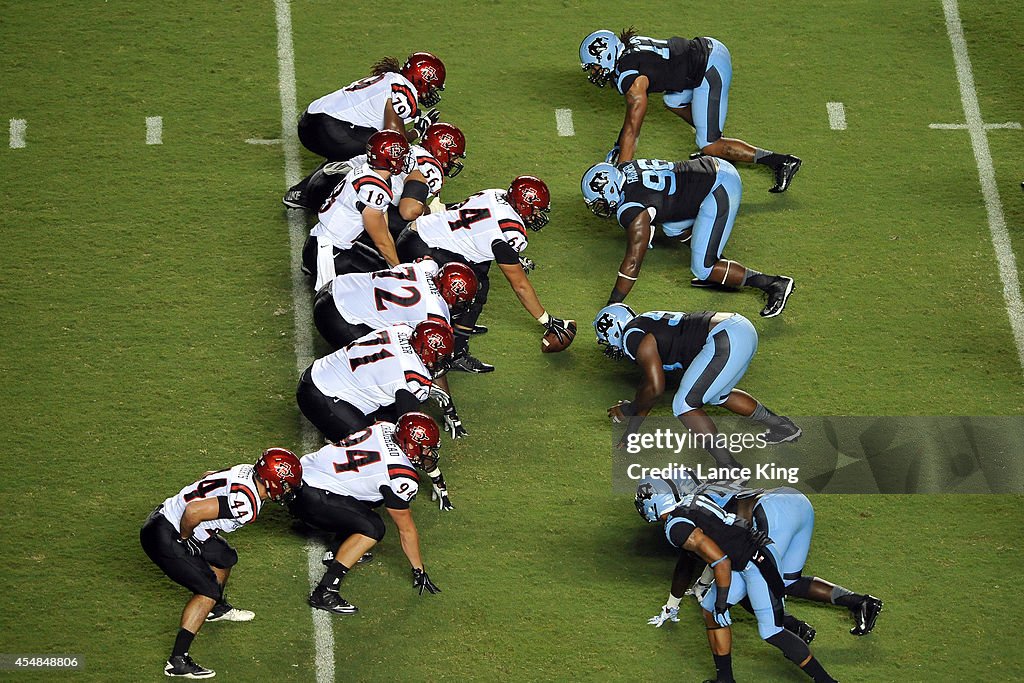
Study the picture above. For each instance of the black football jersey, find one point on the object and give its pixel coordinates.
(670, 65)
(730, 533)
(680, 336)
(674, 190)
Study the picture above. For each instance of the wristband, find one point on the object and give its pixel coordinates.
(673, 601)
(543, 318)
(716, 562)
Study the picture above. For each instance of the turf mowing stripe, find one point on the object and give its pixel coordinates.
(986, 175)
(18, 127)
(323, 633)
(154, 130)
(563, 119)
(836, 115)
(258, 141)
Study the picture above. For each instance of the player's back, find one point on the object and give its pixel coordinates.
(679, 336)
(406, 293)
(237, 484)
(362, 102)
(361, 464)
(670, 65)
(674, 189)
(340, 219)
(469, 228)
(730, 533)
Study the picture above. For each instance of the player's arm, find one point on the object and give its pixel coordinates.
(375, 223)
(682, 576)
(413, 203)
(202, 510)
(636, 109)
(392, 121)
(512, 269)
(700, 543)
(408, 535)
(652, 386)
(638, 238)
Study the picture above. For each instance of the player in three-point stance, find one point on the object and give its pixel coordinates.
(182, 537)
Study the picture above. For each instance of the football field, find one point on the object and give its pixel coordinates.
(154, 330)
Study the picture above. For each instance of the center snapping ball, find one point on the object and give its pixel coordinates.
(549, 343)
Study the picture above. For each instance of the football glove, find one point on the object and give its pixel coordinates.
(440, 396)
(453, 425)
(424, 121)
(667, 614)
(527, 263)
(558, 326)
(613, 156)
(722, 617)
(192, 546)
(421, 581)
(440, 496)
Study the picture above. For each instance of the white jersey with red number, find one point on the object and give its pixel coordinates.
(362, 103)
(403, 294)
(471, 227)
(341, 216)
(237, 484)
(425, 164)
(371, 370)
(361, 465)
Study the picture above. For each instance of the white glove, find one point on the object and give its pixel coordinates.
(440, 495)
(424, 121)
(440, 396)
(667, 614)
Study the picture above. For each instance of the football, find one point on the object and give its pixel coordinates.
(549, 343)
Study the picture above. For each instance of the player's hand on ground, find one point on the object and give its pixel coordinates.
(421, 581)
(558, 327)
(667, 614)
(527, 263)
(615, 412)
(613, 156)
(453, 425)
(439, 495)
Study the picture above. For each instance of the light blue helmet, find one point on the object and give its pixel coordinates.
(655, 497)
(609, 325)
(598, 52)
(602, 189)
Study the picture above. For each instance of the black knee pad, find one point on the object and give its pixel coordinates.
(800, 588)
(792, 647)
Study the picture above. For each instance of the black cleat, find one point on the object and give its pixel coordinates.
(184, 667)
(697, 155)
(805, 632)
(783, 433)
(778, 294)
(328, 558)
(330, 601)
(468, 363)
(784, 173)
(865, 615)
(293, 199)
(703, 284)
(479, 329)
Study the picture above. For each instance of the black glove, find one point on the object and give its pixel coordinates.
(424, 121)
(527, 263)
(558, 326)
(422, 581)
(192, 546)
(453, 425)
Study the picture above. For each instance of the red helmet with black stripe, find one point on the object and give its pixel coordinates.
(281, 472)
(426, 72)
(388, 150)
(434, 342)
(419, 438)
(530, 198)
(447, 144)
(457, 283)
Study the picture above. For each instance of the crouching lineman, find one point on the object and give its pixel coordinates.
(343, 393)
(488, 226)
(712, 349)
(744, 567)
(182, 537)
(693, 201)
(343, 482)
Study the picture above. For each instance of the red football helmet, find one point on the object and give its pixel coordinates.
(530, 198)
(457, 283)
(434, 342)
(426, 72)
(419, 438)
(388, 150)
(447, 144)
(281, 472)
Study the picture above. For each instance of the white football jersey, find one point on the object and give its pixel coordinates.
(237, 484)
(371, 370)
(471, 227)
(425, 164)
(341, 216)
(361, 465)
(403, 294)
(362, 103)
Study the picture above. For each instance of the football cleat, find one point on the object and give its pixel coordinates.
(468, 363)
(330, 601)
(783, 433)
(865, 615)
(697, 155)
(328, 558)
(778, 294)
(293, 199)
(222, 611)
(805, 631)
(784, 173)
(479, 329)
(185, 667)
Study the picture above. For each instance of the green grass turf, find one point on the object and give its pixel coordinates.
(149, 333)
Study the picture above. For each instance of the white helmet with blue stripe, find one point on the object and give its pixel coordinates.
(598, 52)
(609, 325)
(602, 189)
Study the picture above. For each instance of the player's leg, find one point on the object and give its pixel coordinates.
(720, 637)
(359, 258)
(863, 608)
(464, 323)
(330, 138)
(222, 557)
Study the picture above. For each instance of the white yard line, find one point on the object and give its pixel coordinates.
(987, 176)
(18, 128)
(323, 633)
(1009, 125)
(154, 130)
(836, 115)
(261, 141)
(563, 120)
